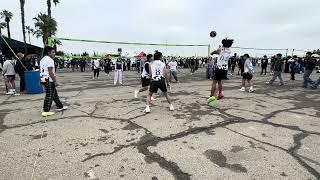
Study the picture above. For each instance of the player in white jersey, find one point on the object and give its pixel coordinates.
(173, 69)
(145, 76)
(222, 69)
(159, 78)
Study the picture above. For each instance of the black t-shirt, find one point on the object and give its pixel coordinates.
(241, 62)
(278, 63)
(233, 60)
(193, 62)
(264, 62)
(146, 66)
(310, 64)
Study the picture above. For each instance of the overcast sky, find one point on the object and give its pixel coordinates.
(261, 24)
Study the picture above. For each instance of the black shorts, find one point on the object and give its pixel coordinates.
(10, 77)
(220, 74)
(145, 82)
(247, 76)
(155, 85)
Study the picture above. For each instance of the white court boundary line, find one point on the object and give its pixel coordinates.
(38, 151)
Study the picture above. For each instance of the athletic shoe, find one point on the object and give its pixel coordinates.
(147, 110)
(243, 89)
(16, 94)
(64, 108)
(220, 96)
(10, 93)
(45, 114)
(211, 99)
(171, 107)
(136, 92)
(268, 82)
(153, 99)
(251, 90)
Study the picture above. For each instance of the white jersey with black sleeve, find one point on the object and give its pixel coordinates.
(157, 70)
(223, 59)
(145, 72)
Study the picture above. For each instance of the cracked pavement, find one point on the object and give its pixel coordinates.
(272, 133)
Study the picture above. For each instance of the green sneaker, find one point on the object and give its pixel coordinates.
(45, 114)
(211, 99)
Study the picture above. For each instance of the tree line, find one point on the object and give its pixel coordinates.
(44, 24)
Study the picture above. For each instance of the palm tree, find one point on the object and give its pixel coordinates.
(45, 26)
(49, 6)
(22, 2)
(29, 31)
(7, 15)
(2, 26)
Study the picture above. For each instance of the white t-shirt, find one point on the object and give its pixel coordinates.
(96, 64)
(45, 63)
(157, 68)
(248, 67)
(223, 59)
(173, 65)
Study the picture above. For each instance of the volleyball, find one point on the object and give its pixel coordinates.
(213, 34)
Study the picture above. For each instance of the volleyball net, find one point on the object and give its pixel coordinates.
(97, 48)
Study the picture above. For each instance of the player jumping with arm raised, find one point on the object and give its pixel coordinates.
(222, 69)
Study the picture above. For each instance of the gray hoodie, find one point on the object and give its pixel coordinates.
(8, 68)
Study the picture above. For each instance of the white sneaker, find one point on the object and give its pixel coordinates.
(268, 82)
(147, 110)
(10, 93)
(171, 107)
(243, 89)
(153, 99)
(45, 114)
(251, 90)
(136, 92)
(64, 108)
